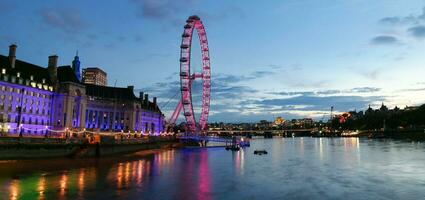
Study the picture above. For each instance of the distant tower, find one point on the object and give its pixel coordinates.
(76, 66)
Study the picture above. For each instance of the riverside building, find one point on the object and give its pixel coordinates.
(95, 76)
(36, 101)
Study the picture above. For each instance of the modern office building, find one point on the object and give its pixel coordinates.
(94, 76)
(36, 100)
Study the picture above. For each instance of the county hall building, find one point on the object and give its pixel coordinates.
(36, 100)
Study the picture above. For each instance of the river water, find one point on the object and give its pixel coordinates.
(294, 168)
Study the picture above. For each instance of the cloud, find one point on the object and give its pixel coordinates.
(417, 31)
(414, 89)
(413, 22)
(230, 79)
(356, 90)
(390, 20)
(405, 20)
(383, 40)
(365, 89)
(67, 20)
(311, 102)
(161, 9)
(233, 99)
(260, 74)
(169, 12)
(226, 92)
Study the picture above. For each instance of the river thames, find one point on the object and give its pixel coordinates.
(294, 168)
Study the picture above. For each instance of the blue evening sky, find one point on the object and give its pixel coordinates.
(289, 58)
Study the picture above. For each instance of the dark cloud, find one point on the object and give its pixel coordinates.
(226, 92)
(223, 87)
(245, 107)
(295, 105)
(293, 93)
(417, 31)
(230, 79)
(293, 67)
(67, 20)
(383, 40)
(341, 103)
(169, 12)
(161, 9)
(230, 86)
(390, 20)
(260, 74)
(398, 20)
(329, 92)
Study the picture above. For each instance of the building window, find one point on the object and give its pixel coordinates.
(3, 71)
(18, 74)
(32, 77)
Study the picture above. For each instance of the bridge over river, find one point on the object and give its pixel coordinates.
(240, 138)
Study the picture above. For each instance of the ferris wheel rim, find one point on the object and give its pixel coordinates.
(186, 77)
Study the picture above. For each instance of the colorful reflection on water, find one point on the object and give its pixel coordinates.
(295, 168)
(80, 183)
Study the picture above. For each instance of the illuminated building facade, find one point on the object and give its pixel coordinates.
(95, 76)
(35, 100)
(279, 121)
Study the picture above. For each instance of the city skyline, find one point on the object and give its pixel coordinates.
(291, 62)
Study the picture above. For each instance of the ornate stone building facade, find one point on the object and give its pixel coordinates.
(35, 100)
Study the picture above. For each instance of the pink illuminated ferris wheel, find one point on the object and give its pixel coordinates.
(186, 77)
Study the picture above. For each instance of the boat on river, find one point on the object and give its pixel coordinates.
(260, 152)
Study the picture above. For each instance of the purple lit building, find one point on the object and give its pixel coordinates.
(35, 100)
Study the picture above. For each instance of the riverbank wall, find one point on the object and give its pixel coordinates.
(33, 148)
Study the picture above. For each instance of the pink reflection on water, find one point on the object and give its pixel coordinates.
(204, 186)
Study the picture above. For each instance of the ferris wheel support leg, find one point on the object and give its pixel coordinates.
(176, 112)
